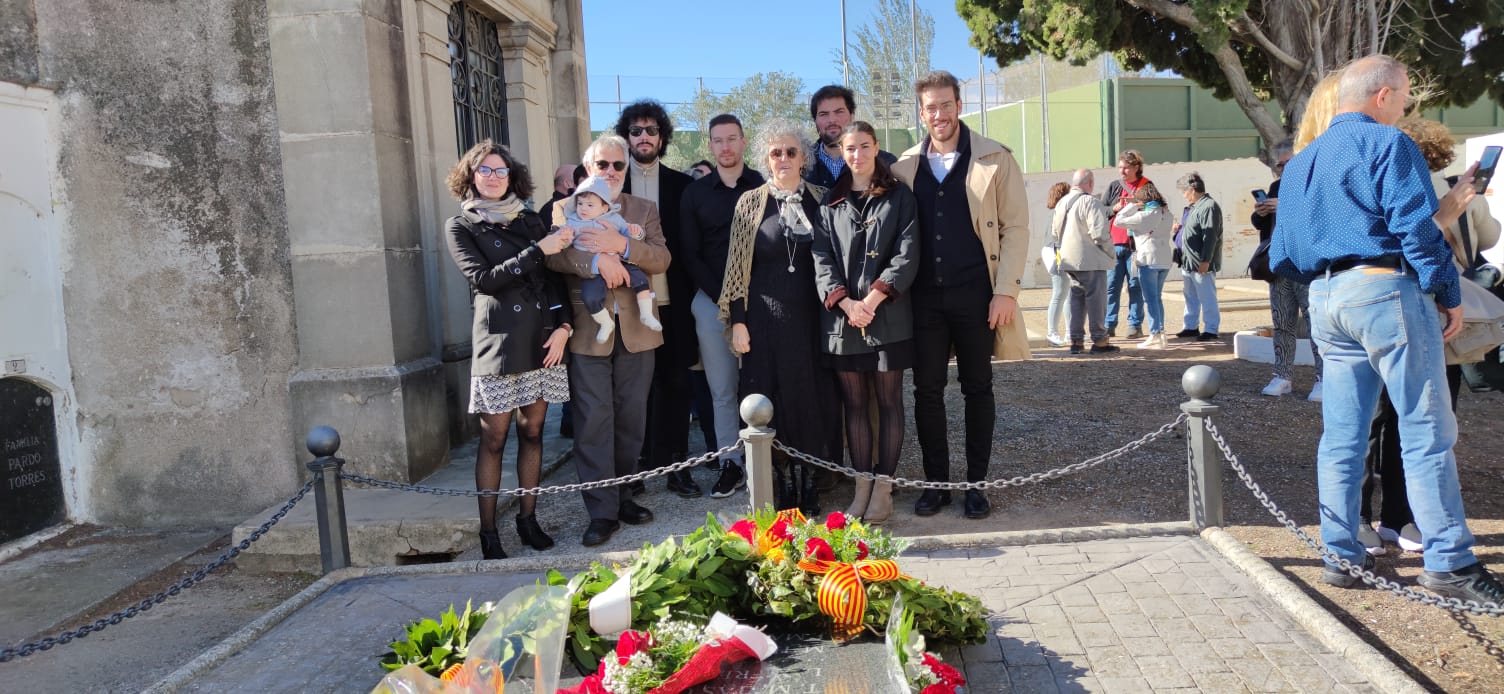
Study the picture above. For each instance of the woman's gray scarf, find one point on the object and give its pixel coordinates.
(501, 211)
(796, 226)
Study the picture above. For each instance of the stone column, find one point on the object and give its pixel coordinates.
(525, 48)
(571, 98)
(367, 364)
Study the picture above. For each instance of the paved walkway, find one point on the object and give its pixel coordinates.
(1150, 614)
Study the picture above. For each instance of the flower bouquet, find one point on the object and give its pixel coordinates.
(674, 656)
(913, 668)
(479, 650)
(844, 572)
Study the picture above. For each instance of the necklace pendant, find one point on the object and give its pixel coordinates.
(791, 267)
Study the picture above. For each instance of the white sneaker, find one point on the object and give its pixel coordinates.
(1154, 341)
(1315, 395)
(1055, 339)
(1278, 386)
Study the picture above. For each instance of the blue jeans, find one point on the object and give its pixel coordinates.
(1151, 284)
(1200, 290)
(1376, 329)
(1060, 294)
(1115, 279)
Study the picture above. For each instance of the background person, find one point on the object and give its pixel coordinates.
(770, 301)
(1119, 194)
(1201, 244)
(519, 327)
(832, 108)
(1366, 229)
(865, 253)
(1289, 305)
(1080, 227)
(1147, 217)
(1060, 283)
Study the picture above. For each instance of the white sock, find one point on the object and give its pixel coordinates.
(645, 314)
(608, 326)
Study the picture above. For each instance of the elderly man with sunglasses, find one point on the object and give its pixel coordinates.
(608, 382)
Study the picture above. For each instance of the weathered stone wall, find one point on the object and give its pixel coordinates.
(174, 251)
(18, 42)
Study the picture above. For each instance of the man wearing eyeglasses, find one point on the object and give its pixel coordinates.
(833, 107)
(705, 237)
(609, 381)
(974, 238)
(647, 129)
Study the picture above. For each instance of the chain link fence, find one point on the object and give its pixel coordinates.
(9, 654)
(1331, 558)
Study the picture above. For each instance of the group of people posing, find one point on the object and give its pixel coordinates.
(1128, 238)
(816, 283)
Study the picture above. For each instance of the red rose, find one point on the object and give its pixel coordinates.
(835, 521)
(934, 689)
(594, 685)
(745, 529)
(819, 549)
(947, 674)
(861, 550)
(631, 643)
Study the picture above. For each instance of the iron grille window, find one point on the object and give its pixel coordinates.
(480, 106)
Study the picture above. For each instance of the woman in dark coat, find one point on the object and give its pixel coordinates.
(520, 326)
(866, 257)
(769, 301)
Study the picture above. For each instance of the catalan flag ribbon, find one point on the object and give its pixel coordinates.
(841, 596)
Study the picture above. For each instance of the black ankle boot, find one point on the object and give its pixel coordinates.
(531, 533)
(490, 545)
(809, 491)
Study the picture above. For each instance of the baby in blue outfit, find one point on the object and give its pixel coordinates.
(588, 209)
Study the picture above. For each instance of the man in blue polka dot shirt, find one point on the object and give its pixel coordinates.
(1358, 219)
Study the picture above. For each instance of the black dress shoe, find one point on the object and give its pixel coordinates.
(531, 533)
(809, 491)
(600, 530)
(1077, 348)
(1188, 332)
(1207, 337)
(977, 505)
(632, 514)
(1105, 348)
(683, 484)
(637, 488)
(931, 501)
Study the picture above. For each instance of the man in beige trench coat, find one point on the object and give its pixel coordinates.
(974, 238)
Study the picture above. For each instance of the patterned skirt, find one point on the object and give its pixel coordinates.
(502, 394)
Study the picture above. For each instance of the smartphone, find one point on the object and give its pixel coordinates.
(1486, 166)
(1259, 195)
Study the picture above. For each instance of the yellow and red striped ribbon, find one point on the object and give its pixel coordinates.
(841, 596)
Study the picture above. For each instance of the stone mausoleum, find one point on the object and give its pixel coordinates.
(221, 225)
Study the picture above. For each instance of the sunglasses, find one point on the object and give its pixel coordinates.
(638, 130)
(604, 165)
(488, 172)
(788, 153)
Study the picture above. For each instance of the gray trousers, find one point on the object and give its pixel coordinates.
(1088, 301)
(609, 397)
(721, 372)
(1290, 307)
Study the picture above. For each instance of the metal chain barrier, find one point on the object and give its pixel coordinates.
(539, 491)
(987, 484)
(203, 572)
(1354, 570)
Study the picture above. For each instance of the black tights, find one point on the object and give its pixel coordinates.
(493, 440)
(858, 388)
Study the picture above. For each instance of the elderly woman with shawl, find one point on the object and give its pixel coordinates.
(773, 310)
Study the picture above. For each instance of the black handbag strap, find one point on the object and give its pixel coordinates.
(1467, 241)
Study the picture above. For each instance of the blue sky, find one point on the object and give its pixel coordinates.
(659, 48)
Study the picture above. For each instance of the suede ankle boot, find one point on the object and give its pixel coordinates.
(880, 506)
(531, 533)
(859, 502)
(490, 545)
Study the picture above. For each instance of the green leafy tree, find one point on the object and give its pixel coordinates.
(1254, 50)
(882, 65)
(759, 99)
